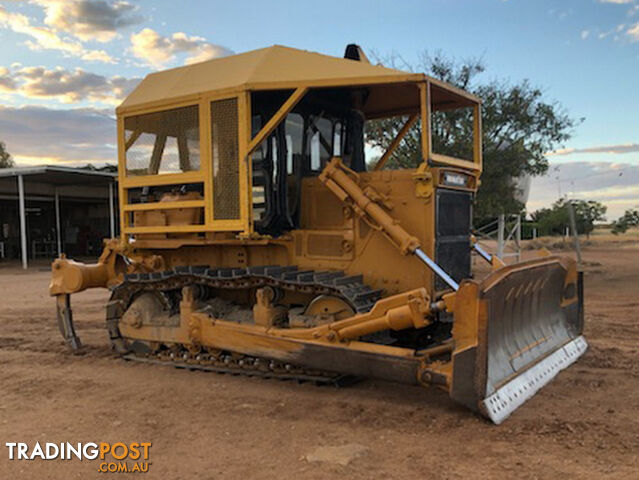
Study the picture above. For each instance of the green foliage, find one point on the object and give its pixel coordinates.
(587, 212)
(553, 221)
(5, 157)
(519, 125)
(630, 218)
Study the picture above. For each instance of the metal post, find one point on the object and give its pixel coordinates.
(575, 234)
(111, 211)
(23, 222)
(500, 236)
(57, 221)
(518, 238)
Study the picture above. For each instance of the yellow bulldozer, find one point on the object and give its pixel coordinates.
(256, 239)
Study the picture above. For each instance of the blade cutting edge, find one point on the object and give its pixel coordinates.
(513, 394)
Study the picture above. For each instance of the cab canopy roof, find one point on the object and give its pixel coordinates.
(279, 67)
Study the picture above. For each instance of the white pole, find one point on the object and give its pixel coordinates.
(57, 221)
(518, 238)
(575, 233)
(500, 236)
(23, 222)
(111, 212)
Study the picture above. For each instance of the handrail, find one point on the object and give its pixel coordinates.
(136, 207)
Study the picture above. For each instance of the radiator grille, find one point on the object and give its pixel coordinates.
(224, 151)
(452, 241)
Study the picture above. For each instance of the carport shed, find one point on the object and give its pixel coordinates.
(48, 209)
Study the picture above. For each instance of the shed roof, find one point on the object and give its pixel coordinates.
(56, 175)
(267, 68)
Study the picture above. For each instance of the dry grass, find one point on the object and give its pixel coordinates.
(599, 237)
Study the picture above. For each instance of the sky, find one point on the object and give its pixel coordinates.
(66, 64)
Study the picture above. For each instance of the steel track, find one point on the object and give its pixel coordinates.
(349, 288)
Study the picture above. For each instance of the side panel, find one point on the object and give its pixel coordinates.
(365, 250)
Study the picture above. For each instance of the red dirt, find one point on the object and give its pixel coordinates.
(583, 425)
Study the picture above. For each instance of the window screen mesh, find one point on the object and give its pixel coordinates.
(226, 174)
(163, 142)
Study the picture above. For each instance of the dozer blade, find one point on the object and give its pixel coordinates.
(514, 332)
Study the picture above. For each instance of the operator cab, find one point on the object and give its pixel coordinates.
(325, 124)
(220, 150)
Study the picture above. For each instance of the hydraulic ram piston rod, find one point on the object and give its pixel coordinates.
(484, 254)
(436, 268)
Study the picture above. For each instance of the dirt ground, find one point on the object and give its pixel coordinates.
(205, 425)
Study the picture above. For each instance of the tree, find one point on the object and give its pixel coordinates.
(5, 157)
(519, 126)
(587, 212)
(630, 218)
(553, 221)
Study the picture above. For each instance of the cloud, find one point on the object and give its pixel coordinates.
(67, 86)
(43, 38)
(613, 31)
(37, 134)
(623, 148)
(585, 34)
(89, 19)
(158, 50)
(631, 31)
(616, 185)
(7, 83)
